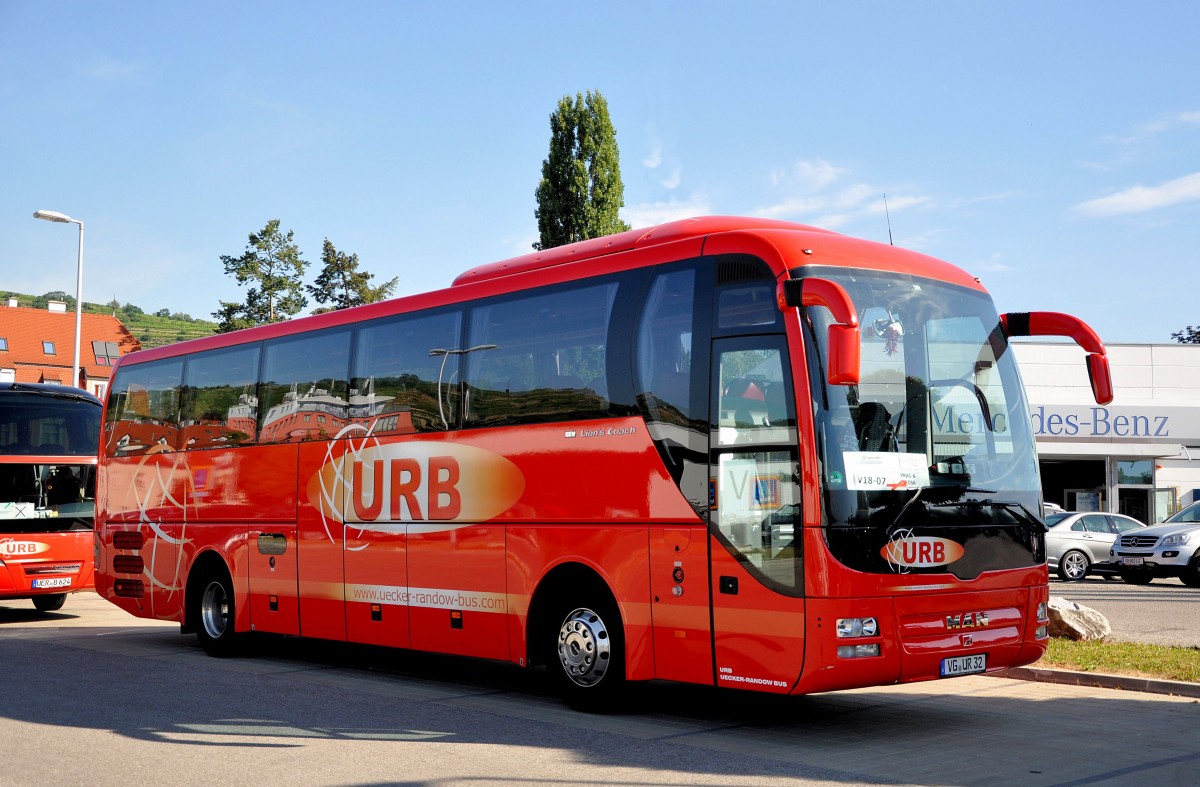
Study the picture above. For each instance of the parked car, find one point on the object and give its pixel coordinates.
(1170, 549)
(1079, 543)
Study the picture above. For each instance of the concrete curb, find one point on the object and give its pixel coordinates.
(1101, 681)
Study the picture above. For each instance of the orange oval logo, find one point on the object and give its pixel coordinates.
(921, 551)
(416, 482)
(12, 548)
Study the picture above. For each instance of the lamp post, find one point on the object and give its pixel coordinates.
(60, 218)
(445, 354)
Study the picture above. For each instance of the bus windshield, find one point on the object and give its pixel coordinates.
(937, 432)
(48, 443)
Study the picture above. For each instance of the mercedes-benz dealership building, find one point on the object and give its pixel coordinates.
(1138, 455)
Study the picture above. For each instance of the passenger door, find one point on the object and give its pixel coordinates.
(1097, 537)
(755, 522)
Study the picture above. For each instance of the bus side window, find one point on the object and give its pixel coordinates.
(220, 398)
(304, 391)
(143, 408)
(530, 356)
(403, 379)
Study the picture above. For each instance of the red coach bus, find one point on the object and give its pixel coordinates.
(724, 451)
(48, 446)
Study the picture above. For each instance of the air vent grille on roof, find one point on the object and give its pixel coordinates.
(740, 270)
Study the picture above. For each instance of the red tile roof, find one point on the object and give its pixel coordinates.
(25, 330)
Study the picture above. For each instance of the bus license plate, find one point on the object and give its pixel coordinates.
(53, 582)
(963, 665)
(1131, 561)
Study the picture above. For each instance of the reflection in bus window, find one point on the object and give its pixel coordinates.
(758, 497)
(665, 352)
(399, 374)
(220, 398)
(143, 412)
(539, 357)
(304, 393)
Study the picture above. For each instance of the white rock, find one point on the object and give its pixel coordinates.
(1075, 621)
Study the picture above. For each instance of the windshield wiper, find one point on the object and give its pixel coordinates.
(988, 502)
(984, 503)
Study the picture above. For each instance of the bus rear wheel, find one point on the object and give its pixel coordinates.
(588, 659)
(50, 602)
(214, 614)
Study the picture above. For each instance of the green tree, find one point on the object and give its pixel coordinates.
(272, 265)
(43, 301)
(341, 284)
(1189, 335)
(580, 191)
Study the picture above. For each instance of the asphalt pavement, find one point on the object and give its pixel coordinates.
(302, 712)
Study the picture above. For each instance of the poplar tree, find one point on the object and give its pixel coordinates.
(272, 265)
(580, 190)
(340, 284)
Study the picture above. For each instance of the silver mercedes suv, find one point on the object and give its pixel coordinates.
(1170, 549)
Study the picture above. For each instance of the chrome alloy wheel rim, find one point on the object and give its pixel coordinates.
(584, 647)
(1076, 566)
(214, 610)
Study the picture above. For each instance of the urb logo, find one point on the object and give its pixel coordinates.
(417, 482)
(906, 551)
(10, 547)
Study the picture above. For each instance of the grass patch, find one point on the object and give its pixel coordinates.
(1124, 658)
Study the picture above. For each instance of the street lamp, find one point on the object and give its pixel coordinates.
(61, 218)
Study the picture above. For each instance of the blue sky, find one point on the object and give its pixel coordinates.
(1050, 148)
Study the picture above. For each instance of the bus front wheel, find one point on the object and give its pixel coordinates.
(215, 616)
(588, 661)
(50, 602)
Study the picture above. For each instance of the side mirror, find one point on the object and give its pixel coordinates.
(844, 338)
(1057, 324)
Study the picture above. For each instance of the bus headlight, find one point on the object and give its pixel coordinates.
(1043, 612)
(857, 651)
(856, 627)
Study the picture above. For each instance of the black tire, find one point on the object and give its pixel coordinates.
(1073, 566)
(586, 658)
(1137, 577)
(1191, 574)
(213, 611)
(50, 602)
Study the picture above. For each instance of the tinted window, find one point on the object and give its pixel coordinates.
(404, 374)
(1189, 514)
(220, 398)
(34, 424)
(539, 357)
(143, 408)
(746, 296)
(1121, 523)
(304, 394)
(664, 350)
(1054, 519)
